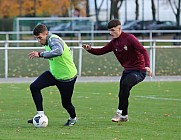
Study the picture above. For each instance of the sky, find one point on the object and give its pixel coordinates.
(164, 10)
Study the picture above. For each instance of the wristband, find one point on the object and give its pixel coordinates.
(39, 54)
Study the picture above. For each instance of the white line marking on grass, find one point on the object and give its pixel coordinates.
(156, 98)
(88, 92)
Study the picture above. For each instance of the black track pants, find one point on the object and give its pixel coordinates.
(65, 87)
(127, 81)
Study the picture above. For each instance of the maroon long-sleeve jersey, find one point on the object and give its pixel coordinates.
(128, 50)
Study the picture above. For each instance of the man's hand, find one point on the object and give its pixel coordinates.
(86, 46)
(33, 54)
(149, 71)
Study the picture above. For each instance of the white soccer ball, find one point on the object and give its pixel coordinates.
(40, 121)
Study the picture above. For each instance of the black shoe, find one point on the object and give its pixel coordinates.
(70, 122)
(30, 121)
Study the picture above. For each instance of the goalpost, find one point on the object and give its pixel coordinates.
(28, 23)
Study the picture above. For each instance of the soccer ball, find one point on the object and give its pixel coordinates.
(40, 121)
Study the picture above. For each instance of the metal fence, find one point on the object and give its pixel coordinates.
(152, 46)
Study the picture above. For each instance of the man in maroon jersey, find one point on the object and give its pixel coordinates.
(132, 56)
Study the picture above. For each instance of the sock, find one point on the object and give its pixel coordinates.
(40, 112)
(119, 111)
(124, 116)
(73, 118)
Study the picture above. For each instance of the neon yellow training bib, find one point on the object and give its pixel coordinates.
(62, 67)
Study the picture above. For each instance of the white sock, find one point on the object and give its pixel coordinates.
(73, 118)
(40, 112)
(124, 116)
(119, 111)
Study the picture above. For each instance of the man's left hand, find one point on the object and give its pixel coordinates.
(149, 71)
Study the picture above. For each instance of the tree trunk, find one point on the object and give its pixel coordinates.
(87, 8)
(137, 10)
(96, 11)
(178, 14)
(153, 10)
(115, 8)
(177, 11)
(112, 9)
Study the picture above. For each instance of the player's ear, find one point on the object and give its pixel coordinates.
(46, 32)
(119, 26)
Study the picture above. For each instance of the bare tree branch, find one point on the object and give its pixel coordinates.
(121, 2)
(172, 7)
(100, 5)
(174, 2)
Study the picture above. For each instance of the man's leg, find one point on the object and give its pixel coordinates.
(66, 90)
(44, 80)
(128, 80)
(126, 84)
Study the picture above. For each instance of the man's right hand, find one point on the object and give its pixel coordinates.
(86, 46)
(33, 54)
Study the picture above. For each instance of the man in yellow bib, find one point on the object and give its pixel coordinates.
(62, 72)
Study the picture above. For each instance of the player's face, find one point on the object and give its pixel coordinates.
(42, 38)
(115, 31)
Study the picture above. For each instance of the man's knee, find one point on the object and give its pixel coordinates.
(33, 87)
(130, 80)
(66, 106)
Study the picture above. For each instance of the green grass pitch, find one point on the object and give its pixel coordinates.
(154, 113)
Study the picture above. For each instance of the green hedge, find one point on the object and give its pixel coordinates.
(6, 24)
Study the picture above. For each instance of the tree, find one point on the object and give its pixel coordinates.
(8, 8)
(137, 9)
(153, 10)
(13, 8)
(176, 5)
(97, 9)
(87, 8)
(115, 6)
(45, 8)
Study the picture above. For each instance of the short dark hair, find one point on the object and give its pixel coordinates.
(113, 23)
(40, 28)
(77, 9)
